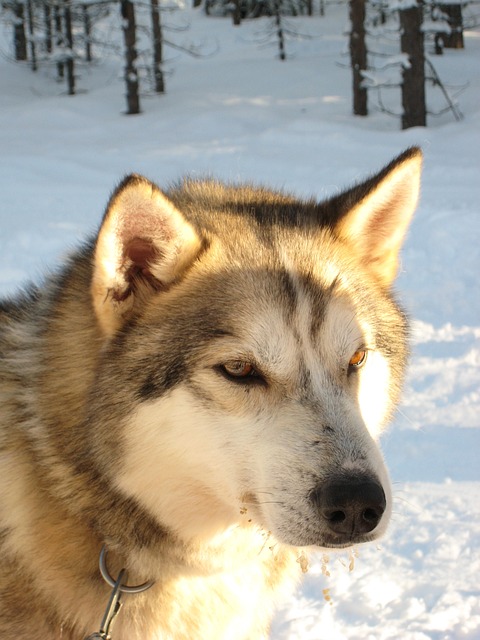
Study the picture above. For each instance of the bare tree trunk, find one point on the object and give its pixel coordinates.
(19, 38)
(237, 13)
(48, 27)
(69, 38)
(454, 39)
(31, 35)
(413, 86)
(131, 73)
(157, 47)
(358, 55)
(59, 39)
(280, 34)
(87, 29)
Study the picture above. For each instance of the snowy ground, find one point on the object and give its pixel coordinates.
(242, 114)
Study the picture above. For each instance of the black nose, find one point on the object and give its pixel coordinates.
(350, 505)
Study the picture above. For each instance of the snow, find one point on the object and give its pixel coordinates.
(418, 583)
(241, 114)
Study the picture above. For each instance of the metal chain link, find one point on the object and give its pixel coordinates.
(114, 605)
(111, 612)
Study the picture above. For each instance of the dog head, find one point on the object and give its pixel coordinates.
(255, 353)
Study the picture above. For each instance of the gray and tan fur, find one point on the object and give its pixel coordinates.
(200, 389)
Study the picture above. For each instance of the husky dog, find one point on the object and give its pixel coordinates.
(199, 392)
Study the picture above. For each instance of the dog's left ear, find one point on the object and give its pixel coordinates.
(376, 224)
(144, 246)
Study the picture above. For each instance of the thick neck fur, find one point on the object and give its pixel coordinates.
(61, 506)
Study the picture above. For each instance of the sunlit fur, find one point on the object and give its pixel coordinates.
(121, 426)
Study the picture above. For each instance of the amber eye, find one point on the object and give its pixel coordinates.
(240, 370)
(358, 359)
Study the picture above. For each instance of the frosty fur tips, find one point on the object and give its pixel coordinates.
(199, 390)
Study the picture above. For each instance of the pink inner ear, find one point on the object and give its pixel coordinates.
(380, 228)
(142, 253)
(138, 258)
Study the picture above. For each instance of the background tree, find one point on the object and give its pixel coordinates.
(47, 17)
(237, 13)
(277, 9)
(87, 30)
(358, 56)
(58, 28)
(413, 85)
(19, 38)
(453, 12)
(70, 61)
(157, 47)
(31, 35)
(131, 73)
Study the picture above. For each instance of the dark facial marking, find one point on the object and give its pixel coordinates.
(162, 379)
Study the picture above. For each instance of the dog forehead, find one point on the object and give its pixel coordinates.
(276, 304)
(266, 300)
(256, 280)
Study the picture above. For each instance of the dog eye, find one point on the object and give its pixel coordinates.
(357, 360)
(239, 370)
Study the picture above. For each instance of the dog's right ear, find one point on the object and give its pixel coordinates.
(144, 246)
